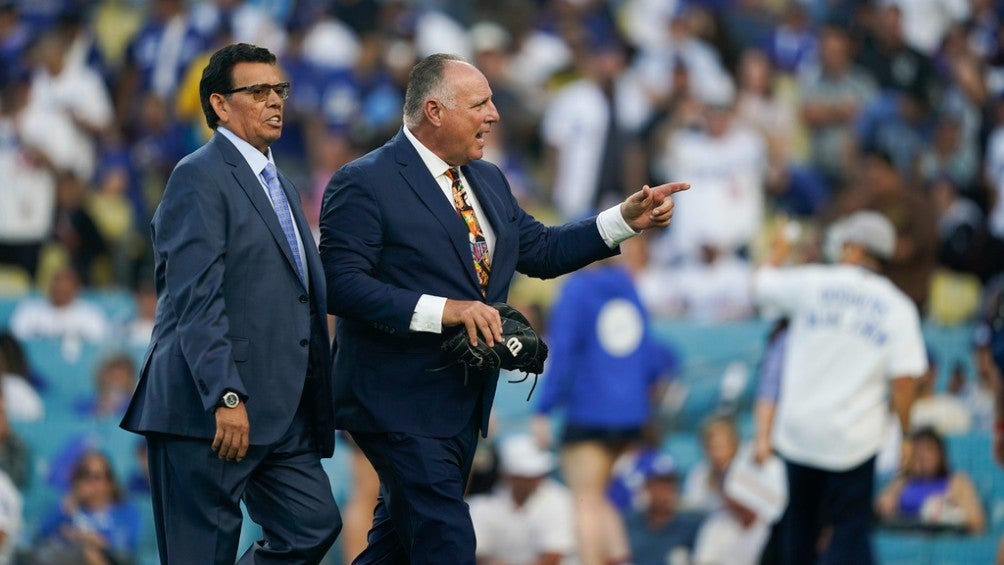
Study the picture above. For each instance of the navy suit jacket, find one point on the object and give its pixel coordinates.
(389, 235)
(232, 312)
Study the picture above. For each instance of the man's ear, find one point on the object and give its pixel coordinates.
(221, 106)
(433, 111)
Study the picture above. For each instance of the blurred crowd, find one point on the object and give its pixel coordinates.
(784, 115)
(780, 113)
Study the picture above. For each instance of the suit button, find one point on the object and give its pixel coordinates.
(303, 343)
(303, 299)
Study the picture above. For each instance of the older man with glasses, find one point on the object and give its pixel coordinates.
(234, 396)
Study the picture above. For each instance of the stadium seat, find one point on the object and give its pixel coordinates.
(953, 550)
(899, 548)
(66, 367)
(971, 454)
(7, 305)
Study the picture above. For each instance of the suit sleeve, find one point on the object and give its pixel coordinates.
(351, 246)
(191, 234)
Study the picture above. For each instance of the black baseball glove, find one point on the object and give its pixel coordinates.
(521, 349)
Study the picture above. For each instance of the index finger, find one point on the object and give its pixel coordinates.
(670, 188)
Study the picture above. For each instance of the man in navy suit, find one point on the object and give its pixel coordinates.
(234, 396)
(418, 237)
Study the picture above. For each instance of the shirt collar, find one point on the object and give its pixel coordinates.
(254, 158)
(437, 167)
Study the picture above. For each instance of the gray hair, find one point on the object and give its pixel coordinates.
(425, 82)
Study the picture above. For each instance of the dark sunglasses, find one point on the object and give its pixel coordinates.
(260, 92)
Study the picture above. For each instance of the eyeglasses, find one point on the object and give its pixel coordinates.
(260, 92)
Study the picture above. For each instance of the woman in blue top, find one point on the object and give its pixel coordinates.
(93, 521)
(929, 493)
(605, 370)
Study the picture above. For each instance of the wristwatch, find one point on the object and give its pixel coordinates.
(230, 399)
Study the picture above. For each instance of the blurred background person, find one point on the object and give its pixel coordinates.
(529, 518)
(590, 130)
(63, 314)
(854, 340)
(729, 160)
(114, 382)
(884, 189)
(928, 493)
(68, 109)
(29, 187)
(94, 524)
(605, 373)
(660, 531)
(702, 488)
(833, 90)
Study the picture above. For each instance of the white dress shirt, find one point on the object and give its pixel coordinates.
(428, 316)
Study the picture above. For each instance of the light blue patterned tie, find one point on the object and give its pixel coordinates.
(281, 207)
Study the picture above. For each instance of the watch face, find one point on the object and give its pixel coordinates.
(231, 400)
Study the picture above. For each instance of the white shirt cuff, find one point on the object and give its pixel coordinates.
(613, 228)
(428, 316)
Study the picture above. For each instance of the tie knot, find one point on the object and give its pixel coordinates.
(269, 173)
(453, 174)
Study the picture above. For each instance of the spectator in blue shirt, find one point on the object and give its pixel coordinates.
(605, 369)
(94, 521)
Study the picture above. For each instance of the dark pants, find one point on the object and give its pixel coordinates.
(421, 516)
(196, 500)
(819, 499)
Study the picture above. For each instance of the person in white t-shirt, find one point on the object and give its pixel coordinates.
(63, 314)
(529, 518)
(854, 339)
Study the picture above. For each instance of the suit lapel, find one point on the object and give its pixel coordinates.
(252, 187)
(414, 172)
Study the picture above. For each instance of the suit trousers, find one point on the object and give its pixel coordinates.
(197, 495)
(818, 498)
(421, 516)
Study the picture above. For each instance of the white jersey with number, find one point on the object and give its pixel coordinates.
(851, 332)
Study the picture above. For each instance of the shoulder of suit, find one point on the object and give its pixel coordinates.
(376, 158)
(486, 168)
(211, 151)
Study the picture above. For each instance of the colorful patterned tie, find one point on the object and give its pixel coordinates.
(479, 247)
(281, 207)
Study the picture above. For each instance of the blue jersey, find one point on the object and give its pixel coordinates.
(603, 358)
